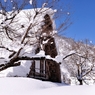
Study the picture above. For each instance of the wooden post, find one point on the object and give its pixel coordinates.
(32, 70)
(41, 67)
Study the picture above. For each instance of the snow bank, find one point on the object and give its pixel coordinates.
(23, 86)
(19, 71)
(67, 90)
(27, 86)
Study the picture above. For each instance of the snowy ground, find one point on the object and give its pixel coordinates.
(29, 86)
(10, 85)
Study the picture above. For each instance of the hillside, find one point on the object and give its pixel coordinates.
(78, 64)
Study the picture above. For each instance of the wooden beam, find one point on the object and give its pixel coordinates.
(31, 58)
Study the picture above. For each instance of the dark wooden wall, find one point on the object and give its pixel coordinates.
(51, 72)
(54, 74)
(50, 46)
(52, 68)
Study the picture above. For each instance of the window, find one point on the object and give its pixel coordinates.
(40, 69)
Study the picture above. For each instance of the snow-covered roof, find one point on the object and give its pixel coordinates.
(25, 17)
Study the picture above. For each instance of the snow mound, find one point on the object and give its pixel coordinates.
(29, 86)
(23, 86)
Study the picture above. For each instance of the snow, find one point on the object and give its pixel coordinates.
(72, 52)
(44, 42)
(91, 42)
(5, 0)
(14, 46)
(67, 90)
(11, 0)
(41, 53)
(13, 80)
(26, 86)
(30, 2)
(22, 86)
(44, 4)
(68, 13)
(25, 18)
(19, 71)
(29, 86)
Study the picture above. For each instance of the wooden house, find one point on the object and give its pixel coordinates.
(46, 69)
(42, 67)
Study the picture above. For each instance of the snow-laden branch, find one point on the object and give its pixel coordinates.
(7, 65)
(15, 61)
(88, 71)
(74, 53)
(24, 36)
(3, 47)
(12, 62)
(68, 55)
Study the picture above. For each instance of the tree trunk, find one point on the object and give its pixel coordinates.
(80, 81)
(79, 76)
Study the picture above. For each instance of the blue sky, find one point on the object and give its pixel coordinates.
(83, 18)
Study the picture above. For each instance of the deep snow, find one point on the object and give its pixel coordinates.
(29, 86)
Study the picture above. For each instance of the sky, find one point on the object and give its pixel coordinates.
(83, 19)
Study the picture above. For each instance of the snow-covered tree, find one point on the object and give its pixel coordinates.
(81, 64)
(21, 29)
